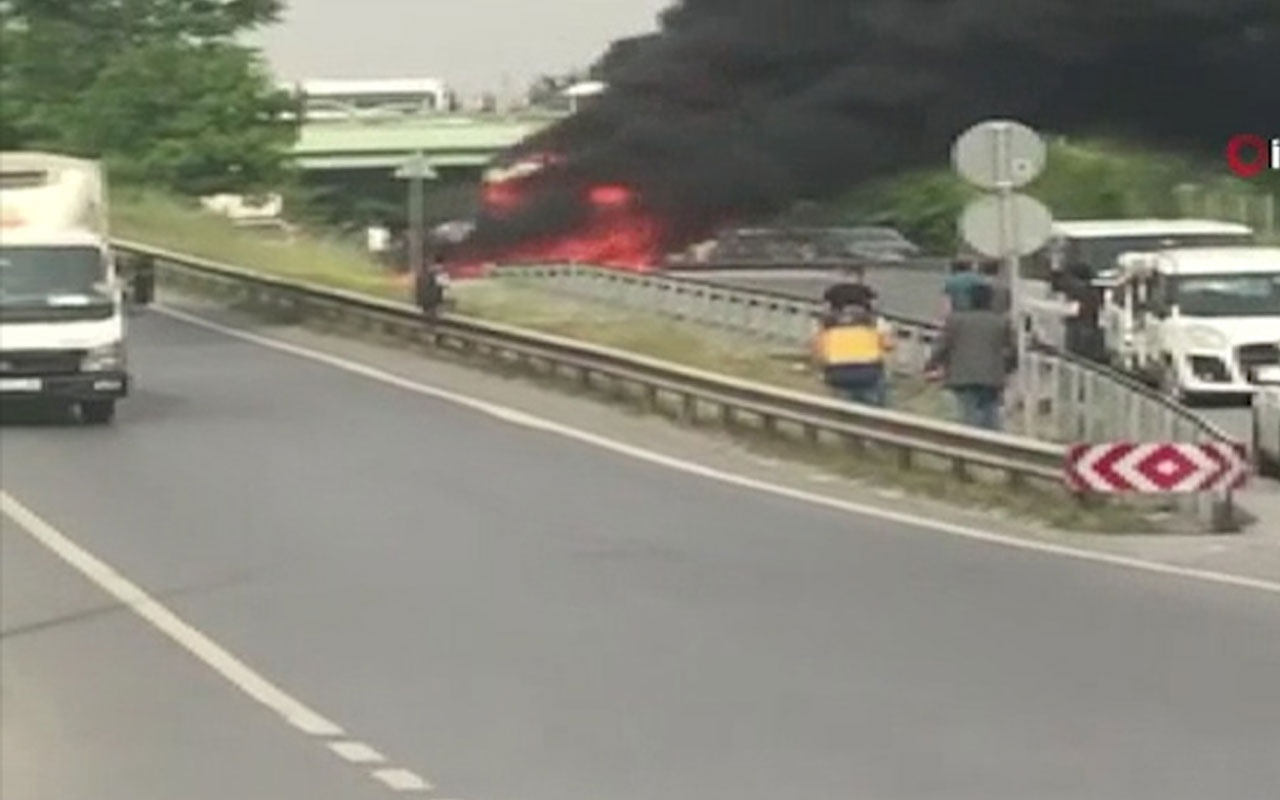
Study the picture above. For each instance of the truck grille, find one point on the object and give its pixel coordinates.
(1252, 356)
(40, 362)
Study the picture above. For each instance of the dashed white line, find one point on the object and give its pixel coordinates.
(202, 647)
(526, 420)
(357, 752)
(402, 780)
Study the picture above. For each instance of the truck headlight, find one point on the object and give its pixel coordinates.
(1202, 338)
(104, 359)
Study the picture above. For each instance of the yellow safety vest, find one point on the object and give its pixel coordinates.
(850, 344)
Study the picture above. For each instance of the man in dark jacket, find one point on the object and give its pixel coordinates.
(1084, 335)
(975, 353)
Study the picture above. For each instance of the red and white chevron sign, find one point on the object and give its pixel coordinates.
(1156, 467)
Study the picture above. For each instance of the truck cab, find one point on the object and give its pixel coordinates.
(63, 300)
(1197, 321)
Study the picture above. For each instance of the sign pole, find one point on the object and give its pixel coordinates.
(417, 236)
(1002, 156)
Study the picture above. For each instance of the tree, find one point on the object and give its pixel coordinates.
(158, 88)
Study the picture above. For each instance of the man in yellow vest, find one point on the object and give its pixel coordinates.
(851, 348)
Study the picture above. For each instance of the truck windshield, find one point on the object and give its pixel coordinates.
(51, 276)
(1256, 295)
(1101, 253)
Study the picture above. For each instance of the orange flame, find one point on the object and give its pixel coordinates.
(617, 232)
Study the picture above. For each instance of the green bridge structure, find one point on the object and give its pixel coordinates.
(451, 143)
(358, 164)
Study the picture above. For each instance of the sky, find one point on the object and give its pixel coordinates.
(474, 45)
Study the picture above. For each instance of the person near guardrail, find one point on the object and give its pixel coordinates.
(975, 353)
(851, 290)
(1001, 294)
(1082, 312)
(961, 277)
(430, 281)
(851, 348)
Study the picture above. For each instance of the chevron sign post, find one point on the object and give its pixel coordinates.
(1156, 467)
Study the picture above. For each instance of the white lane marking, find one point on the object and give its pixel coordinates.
(357, 752)
(402, 780)
(168, 623)
(202, 647)
(521, 418)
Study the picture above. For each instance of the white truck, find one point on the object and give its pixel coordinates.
(1096, 245)
(1197, 322)
(1266, 422)
(62, 299)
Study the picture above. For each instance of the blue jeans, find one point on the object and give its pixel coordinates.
(979, 405)
(861, 383)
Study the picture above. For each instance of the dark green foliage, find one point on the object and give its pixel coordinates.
(158, 88)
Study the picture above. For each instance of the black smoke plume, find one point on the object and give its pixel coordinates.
(737, 108)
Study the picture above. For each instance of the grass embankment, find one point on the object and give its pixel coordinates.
(166, 223)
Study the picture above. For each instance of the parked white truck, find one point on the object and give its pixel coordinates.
(62, 299)
(1094, 245)
(1197, 321)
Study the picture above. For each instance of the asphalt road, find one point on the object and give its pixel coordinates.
(518, 616)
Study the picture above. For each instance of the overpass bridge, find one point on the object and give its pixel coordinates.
(454, 145)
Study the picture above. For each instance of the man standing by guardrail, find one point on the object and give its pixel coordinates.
(955, 287)
(975, 353)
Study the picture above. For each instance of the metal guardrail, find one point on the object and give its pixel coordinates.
(1075, 400)
(813, 419)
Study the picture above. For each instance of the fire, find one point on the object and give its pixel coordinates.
(615, 232)
(627, 240)
(609, 196)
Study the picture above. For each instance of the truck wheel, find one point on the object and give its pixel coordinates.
(98, 412)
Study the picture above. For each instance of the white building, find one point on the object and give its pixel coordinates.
(348, 98)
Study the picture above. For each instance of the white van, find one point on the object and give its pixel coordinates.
(1197, 321)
